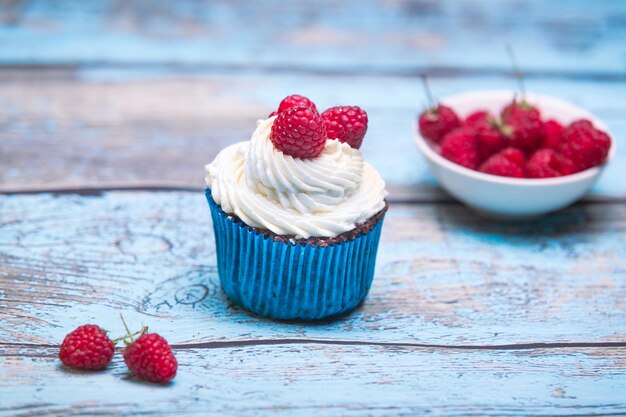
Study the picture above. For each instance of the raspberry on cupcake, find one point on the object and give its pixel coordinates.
(346, 124)
(299, 132)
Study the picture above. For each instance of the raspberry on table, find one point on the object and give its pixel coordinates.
(299, 131)
(584, 145)
(460, 146)
(346, 124)
(295, 100)
(436, 122)
(87, 347)
(150, 358)
(544, 163)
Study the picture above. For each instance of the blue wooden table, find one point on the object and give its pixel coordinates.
(109, 110)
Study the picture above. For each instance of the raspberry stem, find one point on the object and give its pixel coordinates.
(432, 105)
(139, 332)
(124, 323)
(128, 334)
(517, 72)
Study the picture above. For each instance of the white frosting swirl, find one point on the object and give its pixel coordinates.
(323, 196)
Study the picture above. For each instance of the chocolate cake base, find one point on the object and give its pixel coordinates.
(360, 229)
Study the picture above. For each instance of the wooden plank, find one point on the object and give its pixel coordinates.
(306, 380)
(65, 129)
(443, 276)
(352, 36)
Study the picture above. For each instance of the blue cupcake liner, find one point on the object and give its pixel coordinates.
(291, 281)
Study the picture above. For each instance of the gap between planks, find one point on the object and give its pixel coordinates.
(99, 190)
(435, 71)
(401, 345)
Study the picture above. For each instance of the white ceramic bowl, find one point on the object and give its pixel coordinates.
(503, 197)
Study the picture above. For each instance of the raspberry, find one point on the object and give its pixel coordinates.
(460, 146)
(566, 166)
(150, 358)
(519, 106)
(490, 140)
(272, 114)
(299, 131)
(477, 118)
(514, 155)
(522, 123)
(87, 347)
(552, 137)
(295, 100)
(346, 124)
(488, 133)
(504, 164)
(544, 163)
(584, 145)
(436, 122)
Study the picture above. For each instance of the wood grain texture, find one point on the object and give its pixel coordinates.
(443, 276)
(354, 36)
(326, 381)
(465, 317)
(66, 129)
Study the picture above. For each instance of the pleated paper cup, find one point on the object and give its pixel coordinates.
(292, 281)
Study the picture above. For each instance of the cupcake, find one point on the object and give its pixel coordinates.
(297, 213)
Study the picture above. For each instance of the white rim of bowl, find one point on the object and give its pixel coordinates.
(430, 153)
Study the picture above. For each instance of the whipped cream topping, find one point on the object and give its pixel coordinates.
(322, 197)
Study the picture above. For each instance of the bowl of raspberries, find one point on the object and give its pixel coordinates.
(513, 157)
